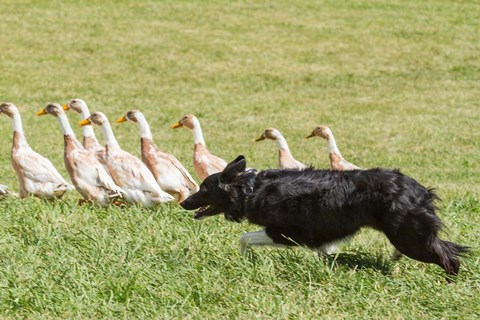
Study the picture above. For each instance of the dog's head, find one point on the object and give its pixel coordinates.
(219, 192)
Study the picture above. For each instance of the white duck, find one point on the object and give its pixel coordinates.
(170, 174)
(127, 171)
(337, 161)
(285, 158)
(204, 162)
(90, 141)
(36, 174)
(88, 175)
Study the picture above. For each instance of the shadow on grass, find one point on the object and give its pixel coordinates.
(355, 261)
(360, 261)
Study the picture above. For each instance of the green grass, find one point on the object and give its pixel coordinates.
(398, 82)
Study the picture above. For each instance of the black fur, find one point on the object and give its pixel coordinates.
(314, 207)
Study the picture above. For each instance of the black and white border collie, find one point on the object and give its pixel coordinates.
(314, 208)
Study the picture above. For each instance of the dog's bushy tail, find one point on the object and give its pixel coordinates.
(448, 253)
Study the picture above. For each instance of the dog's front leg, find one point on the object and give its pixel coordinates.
(256, 238)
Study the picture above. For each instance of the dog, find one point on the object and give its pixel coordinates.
(314, 208)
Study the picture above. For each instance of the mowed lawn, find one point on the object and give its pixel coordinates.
(398, 82)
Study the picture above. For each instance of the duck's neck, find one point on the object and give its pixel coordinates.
(65, 125)
(19, 135)
(110, 140)
(332, 145)
(144, 128)
(67, 129)
(17, 124)
(87, 131)
(282, 144)
(198, 135)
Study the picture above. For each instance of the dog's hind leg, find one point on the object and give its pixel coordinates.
(424, 245)
(432, 249)
(256, 238)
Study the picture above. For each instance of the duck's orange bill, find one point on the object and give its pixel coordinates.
(66, 107)
(121, 119)
(85, 122)
(177, 125)
(41, 112)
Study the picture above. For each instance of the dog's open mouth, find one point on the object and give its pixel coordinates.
(205, 211)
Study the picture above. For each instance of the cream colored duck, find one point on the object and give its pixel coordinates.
(170, 174)
(88, 175)
(127, 171)
(36, 174)
(337, 162)
(204, 162)
(90, 141)
(285, 158)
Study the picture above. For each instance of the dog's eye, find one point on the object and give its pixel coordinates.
(203, 188)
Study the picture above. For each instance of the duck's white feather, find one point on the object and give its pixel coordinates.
(39, 174)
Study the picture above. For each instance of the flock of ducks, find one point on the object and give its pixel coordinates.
(107, 174)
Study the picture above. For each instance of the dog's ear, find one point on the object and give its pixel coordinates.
(233, 169)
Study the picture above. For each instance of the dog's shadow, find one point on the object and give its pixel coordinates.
(356, 260)
(359, 261)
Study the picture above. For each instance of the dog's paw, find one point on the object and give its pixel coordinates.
(327, 249)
